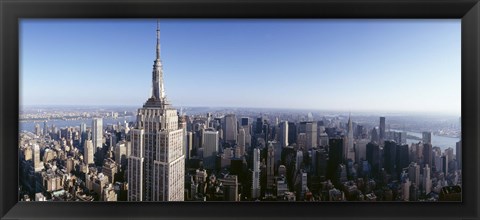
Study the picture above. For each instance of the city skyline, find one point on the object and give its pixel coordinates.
(166, 155)
(246, 53)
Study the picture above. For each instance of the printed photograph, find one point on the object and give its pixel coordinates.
(240, 110)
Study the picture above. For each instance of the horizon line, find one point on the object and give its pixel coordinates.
(246, 107)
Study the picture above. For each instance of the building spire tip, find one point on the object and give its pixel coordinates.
(158, 91)
(158, 39)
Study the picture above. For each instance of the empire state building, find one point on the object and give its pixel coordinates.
(156, 166)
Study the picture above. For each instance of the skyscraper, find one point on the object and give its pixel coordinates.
(400, 137)
(374, 135)
(259, 125)
(97, 133)
(298, 160)
(157, 162)
(292, 133)
(120, 152)
(189, 144)
(37, 163)
(230, 128)
(390, 150)
(449, 153)
(182, 124)
(310, 130)
(256, 173)
(381, 136)
(38, 131)
(241, 141)
(350, 153)
(245, 121)
(427, 137)
(445, 164)
(210, 148)
(270, 166)
(136, 163)
(402, 159)
(458, 154)
(414, 173)
(301, 140)
(437, 159)
(427, 154)
(83, 127)
(88, 150)
(361, 150)
(373, 156)
(335, 155)
(427, 182)
(283, 137)
(45, 129)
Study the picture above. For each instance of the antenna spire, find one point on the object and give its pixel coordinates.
(158, 90)
(158, 39)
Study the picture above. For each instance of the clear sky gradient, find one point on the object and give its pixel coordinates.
(347, 65)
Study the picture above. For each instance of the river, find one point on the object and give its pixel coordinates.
(30, 125)
(439, 141)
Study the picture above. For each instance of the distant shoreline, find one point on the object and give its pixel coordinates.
(262, 109)
(63, 119)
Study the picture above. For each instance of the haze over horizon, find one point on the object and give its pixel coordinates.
(286, 109)
(347, 65)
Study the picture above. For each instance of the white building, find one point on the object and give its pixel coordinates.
(136, 166)
(210, 148)
(427, 182)
(157, 161)
(311, 134)
(88, 152)
(120, 152)
(256, 173)
(449, 153)
(37, 163)
(97, 132)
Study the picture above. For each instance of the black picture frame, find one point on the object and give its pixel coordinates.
(13, 10)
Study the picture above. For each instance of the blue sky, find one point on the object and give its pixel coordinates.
(347, 65)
